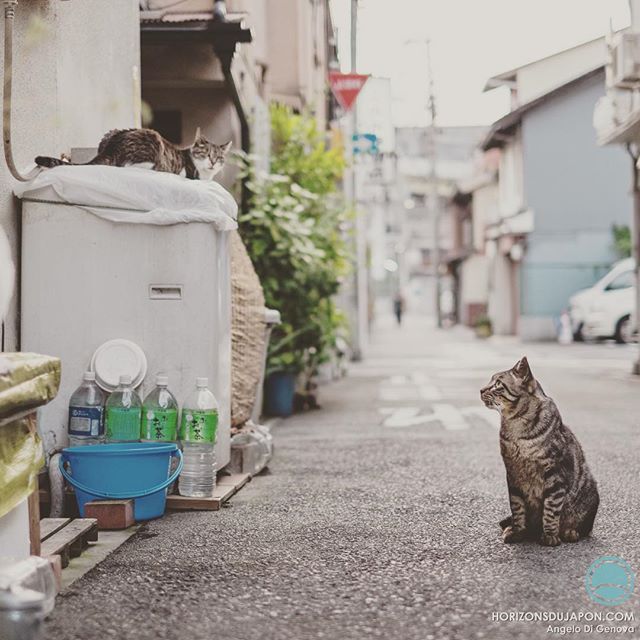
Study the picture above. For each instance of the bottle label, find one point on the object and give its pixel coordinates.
(86, 421)
(199, 426)
(123, 423)
(159, 424)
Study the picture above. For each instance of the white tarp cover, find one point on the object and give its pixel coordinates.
(134, 195)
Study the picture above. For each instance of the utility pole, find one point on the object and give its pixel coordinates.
(361, 284)
(434, 205)
(634, 153)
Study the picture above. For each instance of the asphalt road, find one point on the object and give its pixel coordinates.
(378, 517)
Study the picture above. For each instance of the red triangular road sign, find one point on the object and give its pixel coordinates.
(346, 87)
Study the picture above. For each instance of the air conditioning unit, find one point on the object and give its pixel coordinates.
(625, 61)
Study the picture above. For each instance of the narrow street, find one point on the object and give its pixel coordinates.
(378, 516)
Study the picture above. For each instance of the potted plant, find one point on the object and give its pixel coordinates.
(293, 231)
(483, 326)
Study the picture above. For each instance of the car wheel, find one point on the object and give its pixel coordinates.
(577, 334)
(623, 330)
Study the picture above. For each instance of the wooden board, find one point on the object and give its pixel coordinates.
(226, 486)
(33, 501)
(49, 526)
(33, 504)
(69, 541)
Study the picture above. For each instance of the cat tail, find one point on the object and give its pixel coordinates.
(48, 163)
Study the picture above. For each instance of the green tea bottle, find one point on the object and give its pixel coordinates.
(159, 414)
(124, 410)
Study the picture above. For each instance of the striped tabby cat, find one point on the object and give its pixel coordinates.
(552, 493)
(145, 147)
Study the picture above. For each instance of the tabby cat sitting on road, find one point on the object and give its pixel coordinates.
(552, 493)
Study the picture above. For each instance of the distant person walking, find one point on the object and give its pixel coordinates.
(398, 306)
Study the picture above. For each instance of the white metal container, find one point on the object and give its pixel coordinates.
(86, 280)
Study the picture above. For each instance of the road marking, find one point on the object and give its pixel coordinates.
(430, 392)
(490, 417)
(404, 388)
(452, 418)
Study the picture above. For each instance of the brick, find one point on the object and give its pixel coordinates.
(111, 514)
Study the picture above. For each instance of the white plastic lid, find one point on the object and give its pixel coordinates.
(89, 376)
(125, 379)
(162, 380)
(201, 383)
(116, 358)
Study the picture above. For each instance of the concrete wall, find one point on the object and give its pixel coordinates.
(484, 208)
(75, 65)
(474, 291)
(577, 190)
(297, 55)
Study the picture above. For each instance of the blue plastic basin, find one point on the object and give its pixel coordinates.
(138, 470)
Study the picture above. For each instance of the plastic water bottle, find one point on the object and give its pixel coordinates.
(159, 414)
(124, 410)
(86, 413)
(198, 429)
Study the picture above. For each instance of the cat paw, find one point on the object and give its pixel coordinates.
(570, 536)
(505, 523)
(550, 540)
(511, 535)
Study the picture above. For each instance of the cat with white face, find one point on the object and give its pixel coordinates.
(208, 158)
(202, 160)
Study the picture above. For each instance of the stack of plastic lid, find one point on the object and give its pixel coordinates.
(116, 358)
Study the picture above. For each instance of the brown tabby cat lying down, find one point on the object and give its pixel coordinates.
(552, 493)
(146, 147)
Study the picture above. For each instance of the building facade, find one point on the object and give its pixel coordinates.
(616, 120)
(559, 194)
(76, 75)
(454, 152)
(219, 71)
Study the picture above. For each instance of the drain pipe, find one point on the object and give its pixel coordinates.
(9, 15)
(56, 485)
(226, 57)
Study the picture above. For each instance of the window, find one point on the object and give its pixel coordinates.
(168, 123)
(623, 281)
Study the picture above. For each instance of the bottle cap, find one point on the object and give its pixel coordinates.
(162, 380)
(125, 379)
(202, 382)
(89, 376)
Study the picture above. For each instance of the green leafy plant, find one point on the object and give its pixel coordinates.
(622, 240)
(483, 326)
(293, 230)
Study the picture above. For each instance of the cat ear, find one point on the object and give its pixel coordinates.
(226, 146)
(198, 134)
(522, 369)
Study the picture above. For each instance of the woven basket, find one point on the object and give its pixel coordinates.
(247, 332)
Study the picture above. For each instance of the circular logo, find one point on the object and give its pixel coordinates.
(610, 581)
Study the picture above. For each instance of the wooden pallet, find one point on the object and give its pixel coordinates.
(66, 537)
(226, 486)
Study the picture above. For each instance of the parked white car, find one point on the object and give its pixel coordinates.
(605, 310)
